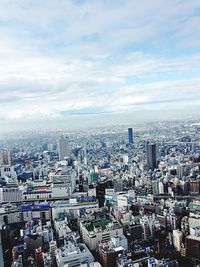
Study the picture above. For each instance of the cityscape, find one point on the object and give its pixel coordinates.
(104, 197)
(99, 133)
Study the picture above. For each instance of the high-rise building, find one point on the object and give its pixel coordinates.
(194, 187)
(5, 157)
(177, 239)
(151, 156)
(85, 154)
(130, 136)
(63, 147)
(53, 248)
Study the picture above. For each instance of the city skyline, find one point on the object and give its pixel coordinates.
(87, 62)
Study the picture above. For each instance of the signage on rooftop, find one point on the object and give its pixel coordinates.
(86, 199)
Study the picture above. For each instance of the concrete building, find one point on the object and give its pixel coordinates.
(130, 136)
(193, 246)
(151, 156)
(63, 147)
(195, 231)
(36, 192)
(10, 194)
(101, 230)
(120, 241)
(177, 239)
(53, 249)
(194, 220)
(64, 182)
(5, 157)
(108, 254)
(148, 225)
(9, 173)
(72, 255)
(73, 208)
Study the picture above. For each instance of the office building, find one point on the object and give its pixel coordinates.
(130, 136)
(72, 254)
(35, 212)
(9, 173)
(120, 241)
(151, 156)
(5, 157)
(177, 239)
(108, 254)
(73, 207)
(194, 187)
(64, 182)
(193, 246)
(10, 194)
(53, 249)
(99, 231)
(63, 147)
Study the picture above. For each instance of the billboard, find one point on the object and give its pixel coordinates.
(86, 199)
(35, 207)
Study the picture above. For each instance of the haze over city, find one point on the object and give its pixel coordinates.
(70, 63)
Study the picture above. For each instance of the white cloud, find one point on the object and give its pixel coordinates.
(59, 57)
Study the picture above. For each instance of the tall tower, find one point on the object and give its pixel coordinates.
(85, 153)
(63, 147)
(130, 136)
(151, 156)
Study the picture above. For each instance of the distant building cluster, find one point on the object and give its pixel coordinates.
(101, 197)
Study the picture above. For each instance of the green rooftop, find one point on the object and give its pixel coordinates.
(100, 223)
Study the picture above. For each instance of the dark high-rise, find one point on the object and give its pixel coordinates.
(151, 156)
(130, 136)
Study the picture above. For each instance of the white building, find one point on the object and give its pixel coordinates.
(62, 228)
(64, 183)
(63, 147)
(194, 220)
(53, 248)
(125, 159)
(149, 223)
(72, 255)
(195, 231)
(10, 194)
(122, 201)
(39, 192)
(93, 234)
(177, 239)
(120, 241)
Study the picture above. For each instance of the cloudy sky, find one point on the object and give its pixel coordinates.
(65, 62)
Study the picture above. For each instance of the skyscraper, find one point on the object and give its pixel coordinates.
(63, 147)
(151, 156)
(85, 154)
(5, 157)
(130, 136)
